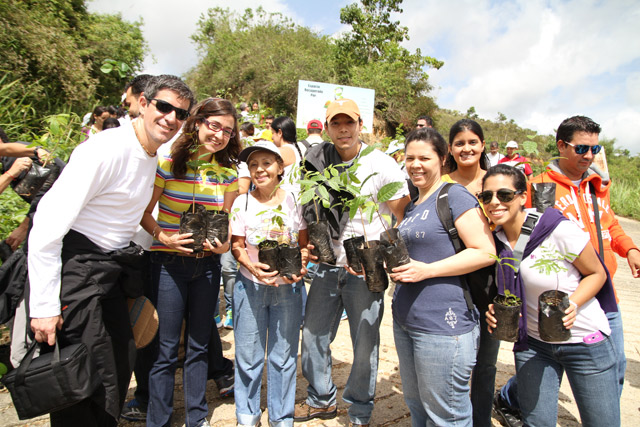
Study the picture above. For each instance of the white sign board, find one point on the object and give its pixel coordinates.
(315, 97)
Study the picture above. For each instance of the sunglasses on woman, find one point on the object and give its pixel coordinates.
(582, 148)
(504, 195)
(217, 127)
(165, 108)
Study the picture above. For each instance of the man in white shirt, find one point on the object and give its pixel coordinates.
(90, 212)
(314, 129)
(494, 155)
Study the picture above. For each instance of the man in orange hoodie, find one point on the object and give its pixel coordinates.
(576, 178)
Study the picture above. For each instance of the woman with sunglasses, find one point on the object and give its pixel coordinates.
(435, 331)
(187, 284)
(467, 164)
(587, 357)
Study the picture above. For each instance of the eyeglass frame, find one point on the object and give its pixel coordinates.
(216, 127)
(512, 194)
(179, 111)
(581, 150)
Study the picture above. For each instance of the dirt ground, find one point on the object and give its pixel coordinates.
(390, 408)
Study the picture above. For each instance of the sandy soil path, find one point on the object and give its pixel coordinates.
(390, 409)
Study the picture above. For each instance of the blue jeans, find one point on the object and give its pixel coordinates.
(435, 372)
(229, 271)
(187, 287)
(332, 291)
(617, 339)
(509, 392)
(266, 318)
(483, 378)
(591, 370)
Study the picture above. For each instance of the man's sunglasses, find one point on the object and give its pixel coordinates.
(582, 149)
(504, 195)
(216, 127)
(166, 108)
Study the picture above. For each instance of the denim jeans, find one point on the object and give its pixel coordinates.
(435, 372)
(509, 392)
(617, 339)
(187, 287)
(592, 374)
(333, 290)
(229, 271)
(483, 378)
(266, 318)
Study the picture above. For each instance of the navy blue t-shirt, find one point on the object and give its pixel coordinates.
(437, 305)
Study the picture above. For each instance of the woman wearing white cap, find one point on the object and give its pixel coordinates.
(267, 308)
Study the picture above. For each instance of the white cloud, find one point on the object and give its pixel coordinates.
(168, 26)
(536, 61)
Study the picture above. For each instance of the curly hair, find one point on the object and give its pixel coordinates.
(183, 148)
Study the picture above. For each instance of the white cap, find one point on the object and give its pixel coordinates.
(264, 145)
(512, 144)
(394, 146)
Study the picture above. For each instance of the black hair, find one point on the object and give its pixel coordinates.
(98, 111)
(110, 123)
(288, 128)
(182, 149)
(431, 136)
(112, 110)
(574, 124)
(138, 83)
(426, 119)
(248, 128)
(518, 179)
(3, 136)
(460, 126)
(269, 116)
(492, 143)
(169, 82)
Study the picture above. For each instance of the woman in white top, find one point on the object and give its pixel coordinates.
(587, 357)
(283, 131)
(267, 308)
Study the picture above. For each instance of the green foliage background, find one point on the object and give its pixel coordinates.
(52, 52)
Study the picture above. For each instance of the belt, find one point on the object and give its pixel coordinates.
(195, 255)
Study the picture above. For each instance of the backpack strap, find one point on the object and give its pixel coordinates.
(305, 143)
(443, 209)
(596, 217)
(525, 233)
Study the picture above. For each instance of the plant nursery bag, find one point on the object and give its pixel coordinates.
(52, 381)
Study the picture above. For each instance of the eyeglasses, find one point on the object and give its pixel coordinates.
(166, 108)
(420, 125)
(582, 148)
(216, 127)
(504, 195)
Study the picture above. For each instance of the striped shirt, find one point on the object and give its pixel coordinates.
(178, 194)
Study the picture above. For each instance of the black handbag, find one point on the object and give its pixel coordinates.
(52, 381)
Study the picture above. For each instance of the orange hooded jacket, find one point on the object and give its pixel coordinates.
(576, 204)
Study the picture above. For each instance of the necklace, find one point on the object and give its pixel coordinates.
(135, 129)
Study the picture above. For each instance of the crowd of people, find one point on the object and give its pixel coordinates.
(174, 156)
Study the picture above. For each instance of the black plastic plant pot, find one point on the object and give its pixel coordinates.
(551, 308)
(268, 253)
(320, 238)
(196, 223)
(543, 195)
(33, 180)
(508, 317)
(351, 249)
(371, 259)
(5, 251)
(394, 250)
(217, 226)
(289, 261)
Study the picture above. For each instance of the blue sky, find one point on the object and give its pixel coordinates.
(536, 61)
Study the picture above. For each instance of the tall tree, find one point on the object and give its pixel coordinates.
(372, 55)
(258, 55)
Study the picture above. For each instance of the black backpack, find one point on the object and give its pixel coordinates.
(479, 286)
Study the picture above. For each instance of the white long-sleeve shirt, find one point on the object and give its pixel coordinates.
(101, 193)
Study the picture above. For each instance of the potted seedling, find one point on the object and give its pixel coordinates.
(552, 304)
(351, 246)
(44, 172)
(281, 253)
(313, 189)
(507, 307)
(543, 194)
(218, 220)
